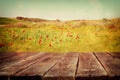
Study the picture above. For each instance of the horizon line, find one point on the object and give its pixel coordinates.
(58, 18)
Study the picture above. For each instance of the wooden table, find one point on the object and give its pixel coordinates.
(60, 66)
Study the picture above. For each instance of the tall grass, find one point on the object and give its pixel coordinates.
(66, 38)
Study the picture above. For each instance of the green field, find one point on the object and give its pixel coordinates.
(58, 36)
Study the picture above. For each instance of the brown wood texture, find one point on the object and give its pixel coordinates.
(5, 55)
(59, 66)
(41, 66)
(89, 66)
(110, 63)
(13, 67)
(13, 58)
(64, 69)
(115, 54)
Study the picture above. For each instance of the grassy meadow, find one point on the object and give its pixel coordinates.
(59, 36)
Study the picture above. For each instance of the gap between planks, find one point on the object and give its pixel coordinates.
(64, 69)
(89, 68)
(77, 64)
(110, 63)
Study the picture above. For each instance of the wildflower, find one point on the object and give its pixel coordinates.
(40, 41)
(23, 31)
(60, 40)
(70, 35)
(55, 37)
(47, 36)
(30, 38)
(10, 43)
(13, 35)
(2, 45)
(77, 37)
(41, 37)
(50, 45)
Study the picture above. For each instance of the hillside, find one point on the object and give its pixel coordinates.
(59, 36)
(4, 20)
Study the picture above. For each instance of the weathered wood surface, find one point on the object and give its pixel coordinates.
(59, 66)
(41, 66)
(64, 69)
(11, 68)
(89, 67)
(12, 58)
(115, 54)
(110, 63)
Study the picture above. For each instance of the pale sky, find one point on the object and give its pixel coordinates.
(61, 9)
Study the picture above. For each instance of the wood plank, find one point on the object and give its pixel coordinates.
(14, 58)
(112, 65)
(22, 64)
(64, 69)
(5, 55)
(89, 68)
(115, 54)
(41, 66)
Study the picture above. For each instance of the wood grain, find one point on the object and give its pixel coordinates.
(13, 58)
(63, 70)
(89, 67)
(41, 66)
(59, 66)
(111, 64)
(115, 54)
(19, 65)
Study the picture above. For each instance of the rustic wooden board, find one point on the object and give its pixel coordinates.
(5, 55)
(41, 66)
(14, 58)
(111, 64)
(19, 65)
(115, 54)
(89, 68)
(53, 66)
(64, 69)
